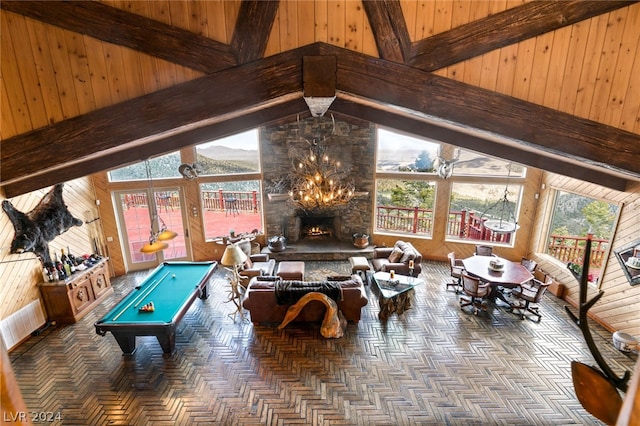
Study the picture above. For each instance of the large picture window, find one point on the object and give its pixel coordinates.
(484, 191)
(230, 155)
(574, 219)
(165, 166)
(229, 169)
(405, 187)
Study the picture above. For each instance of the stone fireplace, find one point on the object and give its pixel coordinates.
(319, 228)
(353, 143)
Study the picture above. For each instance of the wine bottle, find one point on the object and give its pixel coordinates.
(65, 262)
(72, 261)
(61, 273)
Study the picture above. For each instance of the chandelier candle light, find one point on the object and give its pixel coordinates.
(316, 181)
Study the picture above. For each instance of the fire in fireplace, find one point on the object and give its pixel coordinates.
(317, 226)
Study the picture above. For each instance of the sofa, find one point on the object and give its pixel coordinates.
(397, 258)
(261, 302)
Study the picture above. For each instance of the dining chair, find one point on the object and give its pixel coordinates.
(476, 290)
(529, 293)
(456, 268)
(483, 250)
(530, 264)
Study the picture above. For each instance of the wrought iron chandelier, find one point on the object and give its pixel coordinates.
(158, 234)
(500, 217)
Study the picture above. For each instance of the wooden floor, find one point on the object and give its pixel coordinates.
(434, 365)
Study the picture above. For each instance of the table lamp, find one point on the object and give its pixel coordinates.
(233, 256)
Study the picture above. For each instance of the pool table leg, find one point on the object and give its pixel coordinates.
(126, 341)
(204, 292)
(167, 342)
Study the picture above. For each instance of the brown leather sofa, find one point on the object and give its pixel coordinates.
(397, 258)
(260, 301)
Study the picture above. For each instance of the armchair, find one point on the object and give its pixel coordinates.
(397, 258)
(457, 267)
(256, 264)
(530, 292)
(476, 290)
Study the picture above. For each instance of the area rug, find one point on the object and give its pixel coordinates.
(320, 270)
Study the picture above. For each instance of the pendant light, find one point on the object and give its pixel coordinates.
(156, 238)
(500, 218)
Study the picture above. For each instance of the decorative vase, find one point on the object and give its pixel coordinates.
(360, 240)
(277, 243)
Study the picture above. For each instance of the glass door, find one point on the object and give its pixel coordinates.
(135, 217)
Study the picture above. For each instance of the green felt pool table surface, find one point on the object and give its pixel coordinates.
(172, 287)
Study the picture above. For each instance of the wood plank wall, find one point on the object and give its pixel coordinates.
(20, 273)
(618, 309)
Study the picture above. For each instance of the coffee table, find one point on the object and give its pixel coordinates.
(394, 297)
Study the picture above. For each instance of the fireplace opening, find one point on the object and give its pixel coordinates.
(317, 227)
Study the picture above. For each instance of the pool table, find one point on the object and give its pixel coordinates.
(172, 287)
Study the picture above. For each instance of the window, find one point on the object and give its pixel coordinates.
(472, 204)
(165, 166)
(574, 218)
(405, 187)
(234, 154)
(229, 172)
(231, 206)
(482, 188)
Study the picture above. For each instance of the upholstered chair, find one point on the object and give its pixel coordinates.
(530, 293)
(456, 268)
(476, 290)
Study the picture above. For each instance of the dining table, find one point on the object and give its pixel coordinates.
(511, 275)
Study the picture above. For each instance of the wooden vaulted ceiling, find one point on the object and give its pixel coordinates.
(88, 86)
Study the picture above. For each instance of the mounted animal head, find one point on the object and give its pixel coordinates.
(34, 230)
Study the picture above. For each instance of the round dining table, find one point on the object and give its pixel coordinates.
(512, 275)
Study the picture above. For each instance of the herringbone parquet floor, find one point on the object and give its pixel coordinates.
(435, 365)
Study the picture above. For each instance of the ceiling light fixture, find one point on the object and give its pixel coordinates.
(158, 233)
(499, 217)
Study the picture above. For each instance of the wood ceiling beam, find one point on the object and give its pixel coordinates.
(530, 125)
(146, 119)
(389, 29)
(502, 29)
(106, 161)
(122, 28)
(396, 119)
(252, 30)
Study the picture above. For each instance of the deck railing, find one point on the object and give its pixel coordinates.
(571, 249)
(461, 224)
(469, 225)
(242, 201)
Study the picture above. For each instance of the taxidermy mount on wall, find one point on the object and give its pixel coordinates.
(34, 230)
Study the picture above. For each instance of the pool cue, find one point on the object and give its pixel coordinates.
(140, 297)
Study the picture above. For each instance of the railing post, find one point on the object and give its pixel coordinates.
(255, 201)
(221, 199)
(463, 219)
(415, 220)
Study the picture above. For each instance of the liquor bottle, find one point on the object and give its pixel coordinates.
(61, 272)
(65, 263)
(72, 261)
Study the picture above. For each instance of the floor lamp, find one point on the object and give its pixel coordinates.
(234, 257)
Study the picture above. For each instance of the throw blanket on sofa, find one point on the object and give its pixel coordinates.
(288, 292)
